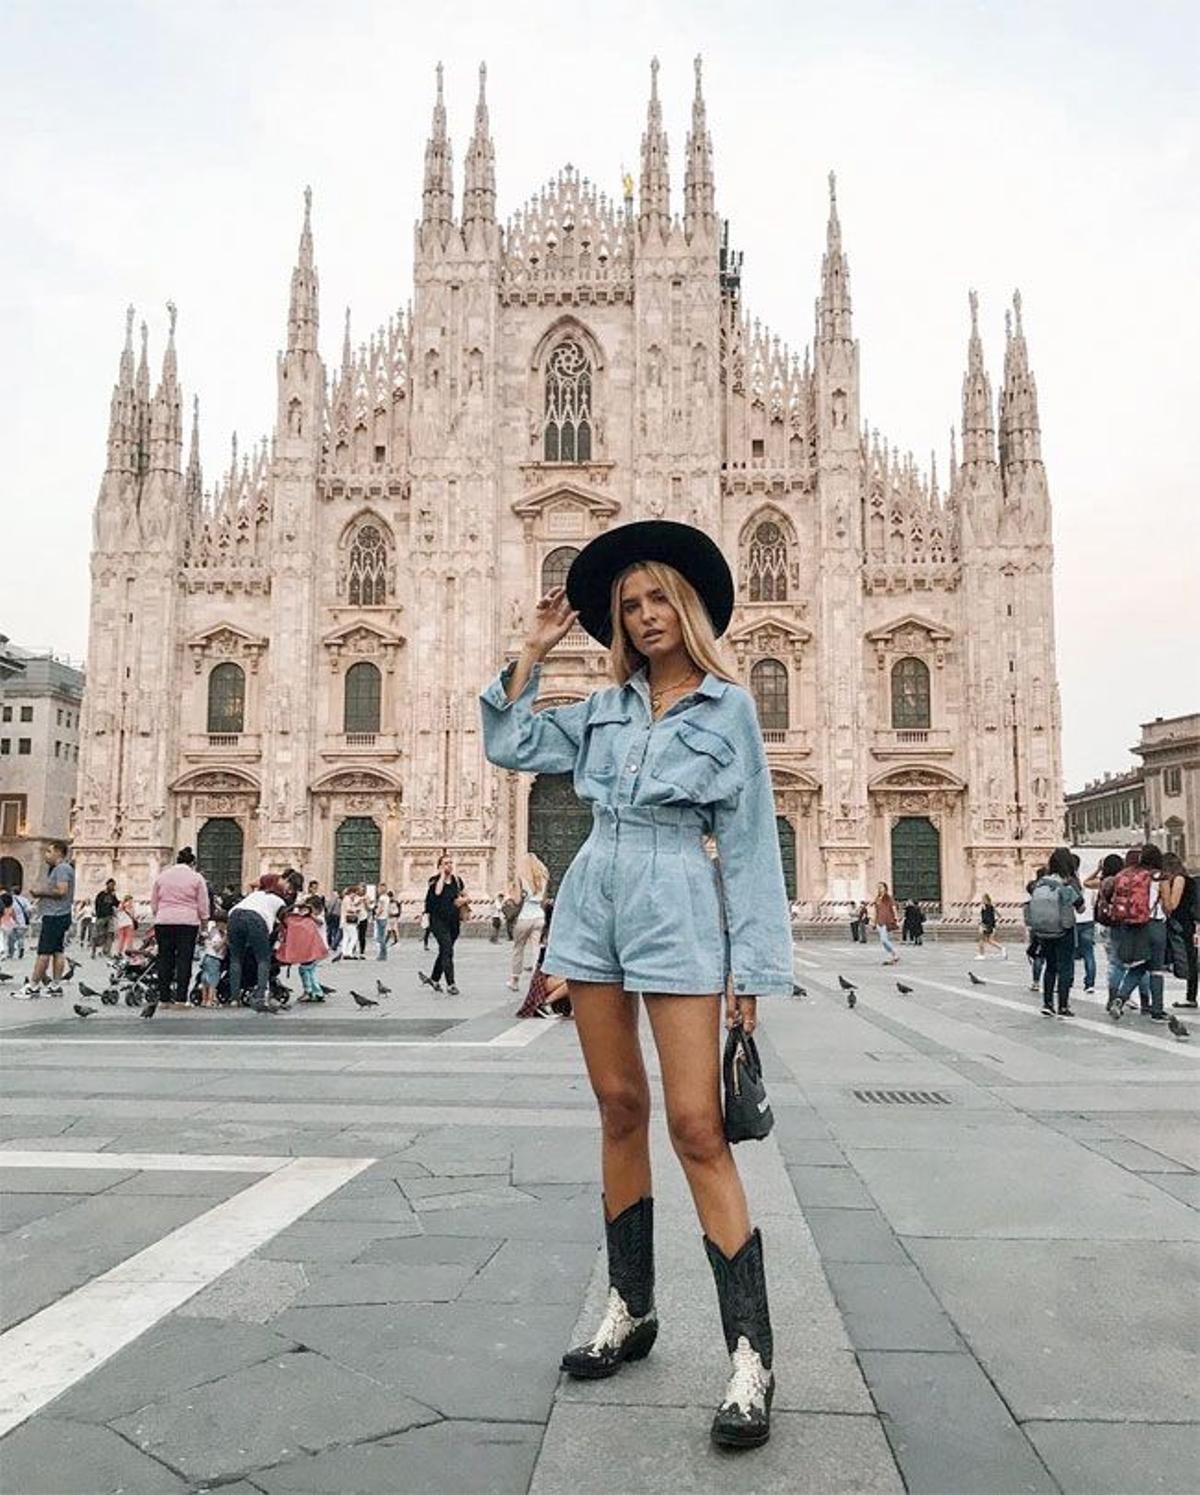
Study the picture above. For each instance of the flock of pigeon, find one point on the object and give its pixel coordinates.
(132, 997)
(1178, 1029)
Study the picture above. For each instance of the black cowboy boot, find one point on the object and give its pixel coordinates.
(630, 1324)
(743, 1419)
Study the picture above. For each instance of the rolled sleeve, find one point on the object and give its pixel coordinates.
(757, 920)
(517, 737)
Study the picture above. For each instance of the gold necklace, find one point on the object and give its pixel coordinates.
(656, 696)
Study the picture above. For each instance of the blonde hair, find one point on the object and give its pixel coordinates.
(535, 874)
(699, 640)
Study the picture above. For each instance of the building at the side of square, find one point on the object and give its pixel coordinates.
(1157, 801)
(41, 702)
(284, 668)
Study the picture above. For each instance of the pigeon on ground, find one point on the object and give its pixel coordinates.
(4, 976)
(384, 991)
(149, 1010)
(81, 1011)
(798, 991)
(361, 1001)
(110, 998)
(1176, 1027)
(86, 991)
(975, 980)
(851, 997)
(329, 991)
(846, 985)
(72, 967)
(905, 991)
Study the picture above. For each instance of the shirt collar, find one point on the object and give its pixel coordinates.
(712, 687)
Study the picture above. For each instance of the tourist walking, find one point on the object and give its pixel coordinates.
(104, 922)
(987, 929)
(670, 754)
(178, 906)
(533, 883)
(1050, 915)
(1140, 919)
(333, 922)
(1181, 902)
(54, 894)
(883, 914)
(1108, 871)
(252, 922)
(445, 901)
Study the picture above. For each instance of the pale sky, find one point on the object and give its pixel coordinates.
(158, 149)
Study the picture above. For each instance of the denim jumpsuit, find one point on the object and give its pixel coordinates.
(643, 905)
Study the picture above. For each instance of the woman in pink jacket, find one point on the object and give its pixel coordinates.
(179, 904)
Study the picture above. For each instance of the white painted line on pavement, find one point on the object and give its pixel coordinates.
(528, 1029)
(145, 1162)
(1109, 1029)
(521, 1034)
(42, 1357)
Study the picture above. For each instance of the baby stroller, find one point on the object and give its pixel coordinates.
(135, 973)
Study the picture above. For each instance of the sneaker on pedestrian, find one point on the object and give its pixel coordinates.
(28, 992)
(1035, 986)
(55, 988)
(1065, 1012)
(981, 957)
(1116, 1007)
(1157, 1017)
(1184, 1006)
(511, 984)
(452, 991)
(1089, 991)
(1047, 1010)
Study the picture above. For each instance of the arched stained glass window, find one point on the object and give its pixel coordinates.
(567, 423)
(768, 563)
(910, 693)
(556, 565)
(362, 698)
(227, 699)
(769, 687)
(367, 582)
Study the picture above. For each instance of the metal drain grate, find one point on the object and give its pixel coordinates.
(902, 1097)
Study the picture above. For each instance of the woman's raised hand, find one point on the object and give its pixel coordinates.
(553, 618)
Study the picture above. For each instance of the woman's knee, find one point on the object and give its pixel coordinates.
(697, 1135)
(624, 1109)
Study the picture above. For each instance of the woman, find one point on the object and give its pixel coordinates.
(354, 913)
(668, 755)
(1142, 947)
(987, 930)
(1179, 905)
(179, 906)
(913, 931)
(883, 914)
(1050, 915)
(445, 902)
(251, 930)
(532, 883)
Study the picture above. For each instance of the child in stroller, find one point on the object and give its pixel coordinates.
(134, 971)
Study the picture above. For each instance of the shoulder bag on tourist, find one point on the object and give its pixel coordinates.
(748, 1115)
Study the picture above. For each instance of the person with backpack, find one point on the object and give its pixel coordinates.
(1136, 911)
(1050, 917)
(1181, 901)
(1085, 932)
(1102, 882)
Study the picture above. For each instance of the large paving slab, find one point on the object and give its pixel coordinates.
(1097, 1458)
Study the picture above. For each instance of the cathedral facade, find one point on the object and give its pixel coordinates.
(283, 667)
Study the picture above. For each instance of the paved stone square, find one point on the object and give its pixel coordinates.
(981, 1228)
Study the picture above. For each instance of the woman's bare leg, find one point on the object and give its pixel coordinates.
(686, 1033)
(606, 1018)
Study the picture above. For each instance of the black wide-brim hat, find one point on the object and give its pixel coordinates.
(689, 550)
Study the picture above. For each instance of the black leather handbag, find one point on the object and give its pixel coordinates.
(748, 1115)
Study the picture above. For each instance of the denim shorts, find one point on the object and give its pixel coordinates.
(640, 905)
(210, 970)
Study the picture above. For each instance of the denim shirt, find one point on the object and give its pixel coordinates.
(706, 752)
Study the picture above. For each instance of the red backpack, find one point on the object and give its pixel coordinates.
(1130, 901)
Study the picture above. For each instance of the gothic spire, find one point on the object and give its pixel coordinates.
(655, 189)
(1020, 428)
(479, 182)
(125, 375)
(437, 198)
(170, 365)
(833, 308)
(698, 177)
(166, 433)
(193, 483)
(142, 385)
(978, 432)
(303, 307)
(347, 352)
